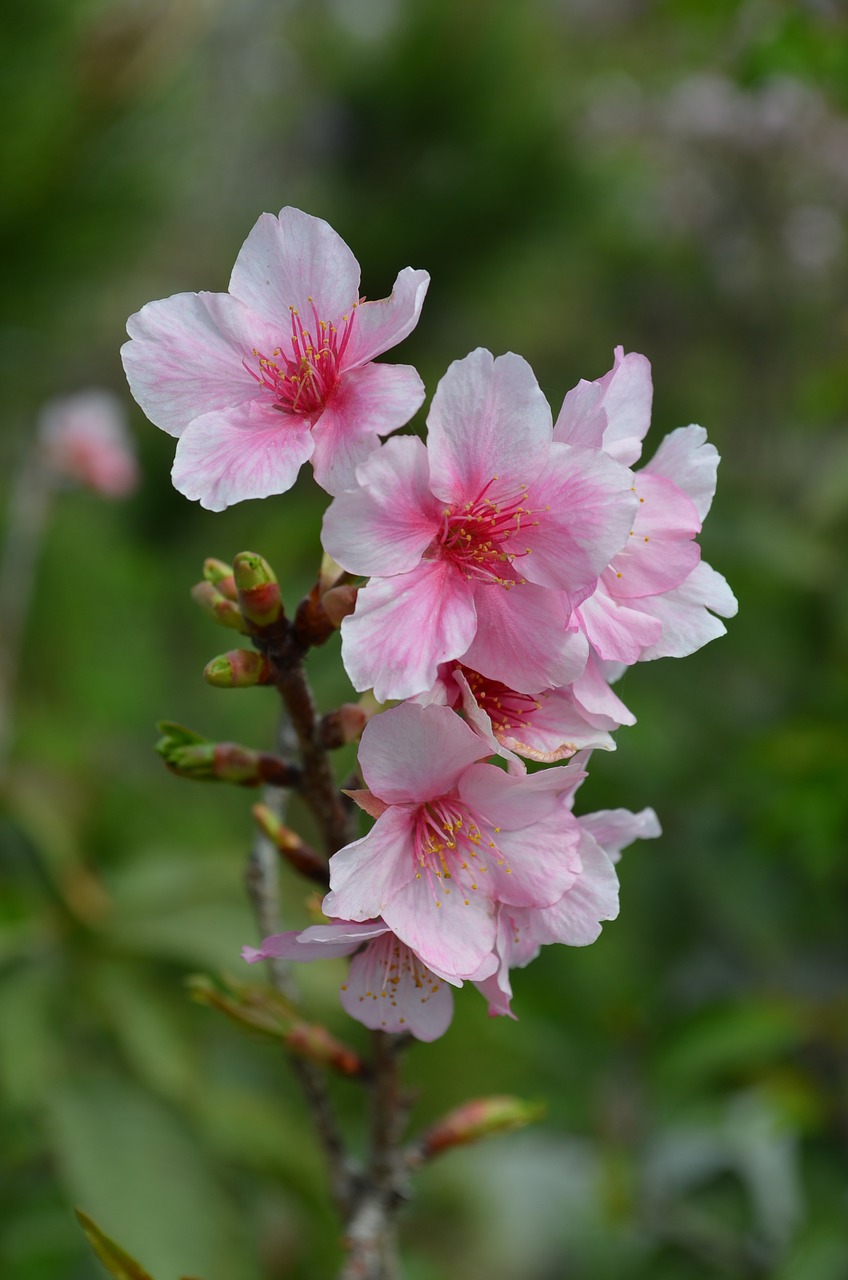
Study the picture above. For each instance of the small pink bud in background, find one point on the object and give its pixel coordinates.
(479, 1118)
(85, 440)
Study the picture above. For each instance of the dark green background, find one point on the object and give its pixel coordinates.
(573, 174)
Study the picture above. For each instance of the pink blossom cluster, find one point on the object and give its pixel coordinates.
(515, 566)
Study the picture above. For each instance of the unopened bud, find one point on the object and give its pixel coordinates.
(342, 726)
(258, 591)
(189, 755)
(238, 669)
(479, 1118)
(312, 1041)
(218, 606)
(339, 602)
(296, 852)
(330, 573)
(220, 574)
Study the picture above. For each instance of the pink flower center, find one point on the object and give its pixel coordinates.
(303, 373)
(478, 537)
(506, 708)
(453, 848)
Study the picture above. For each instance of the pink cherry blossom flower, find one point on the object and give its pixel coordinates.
(84, 439)
(480, 544)
(387, 988)
(546, 726)
(256, 381)
(575, 920)
(453, 837)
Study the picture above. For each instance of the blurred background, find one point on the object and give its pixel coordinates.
(574, 174)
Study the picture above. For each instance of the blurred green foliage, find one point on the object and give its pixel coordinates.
(573, 173)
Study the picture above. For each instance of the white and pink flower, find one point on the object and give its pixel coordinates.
(279, 370)
(85, 440)
(453, 838)
(387, 987)
(479, 545)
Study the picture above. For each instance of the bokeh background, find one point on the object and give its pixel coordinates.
(574, 174)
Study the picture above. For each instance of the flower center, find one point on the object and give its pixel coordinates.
(452, 848)
(303, 373)
(506, 708)
(477, 537)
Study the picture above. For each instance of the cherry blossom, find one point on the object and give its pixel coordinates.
(481, 543)
(453, 837)
(387, 987)
(278, 371)
(84, 439)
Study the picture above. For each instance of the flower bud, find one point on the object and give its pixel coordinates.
(220, 574)
(258, 591)
(339, 602)
(330, 574)
(479, 1118)
(238, 669)
(296, 852)
(344, 725)
(311, 1040)
(189, 755)
(224, 611)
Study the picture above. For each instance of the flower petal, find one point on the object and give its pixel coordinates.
(403, 627)
(365, 874)
(686, 623)
(247, 452)
(382, 324)
(659, 552)
(389, 989)
(616, 632)
(575, 919)
(185, 357)
(586, 505)
(319, 942)
(596, 700)
(536, 864)
(512, 803)
(294, 260)
(615, 829)
(368, 403)
(384, 525)
(627, 396)
(522, 638)
(452, 935)
(489, 428)
(411, 753)
(685, 458)
(582, 419)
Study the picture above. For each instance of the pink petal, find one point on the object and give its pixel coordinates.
(575, 919)
(659, 552)
(522, 638)
(185, 357)
(536, 864)
(481, 723)
(365, 874)
(615, 829)
(556, 730)
(451, 934)
(367, 802)
(246, 452)
(584, 505)
(384, 526)
(616, 632)
(389, 989)
(596, 700)
(686, 623)
(368, 403)
(319, 942)
(410, 753)
(685, 458)
(289, 260)
(489, 428)
(403, 627)
(582, 420)
(513, 803)
(379, 325)
(627, 396)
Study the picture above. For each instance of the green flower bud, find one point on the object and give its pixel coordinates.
(238, 669)
(258, 591)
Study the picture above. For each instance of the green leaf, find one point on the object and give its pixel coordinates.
(116, 1261)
